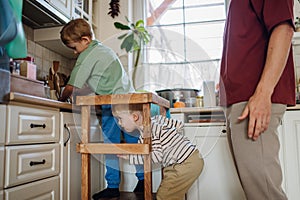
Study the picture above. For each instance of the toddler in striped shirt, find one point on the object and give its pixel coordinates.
(181, 161)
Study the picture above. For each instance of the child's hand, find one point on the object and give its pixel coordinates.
(126, 157)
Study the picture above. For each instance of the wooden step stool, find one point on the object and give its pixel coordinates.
(86, 148)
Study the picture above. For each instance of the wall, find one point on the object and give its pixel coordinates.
(43, 57)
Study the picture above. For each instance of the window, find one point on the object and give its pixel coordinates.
(186, 43)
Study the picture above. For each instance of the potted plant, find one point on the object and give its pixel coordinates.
(133, 40)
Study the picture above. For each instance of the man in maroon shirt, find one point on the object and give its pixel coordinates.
(256, 84)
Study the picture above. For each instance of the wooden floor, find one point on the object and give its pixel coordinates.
(130, 196)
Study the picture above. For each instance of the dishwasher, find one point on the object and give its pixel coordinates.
(219, 179)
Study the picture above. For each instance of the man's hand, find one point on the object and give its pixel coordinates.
(67, 92)
(259, 105)
(258, 110)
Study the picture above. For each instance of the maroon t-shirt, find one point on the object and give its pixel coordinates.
(247, 30)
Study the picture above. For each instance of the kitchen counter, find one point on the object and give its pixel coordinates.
(25, 98)
(212, 109)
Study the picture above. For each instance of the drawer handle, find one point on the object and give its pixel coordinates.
(37, 162)
(69, 134)
(37, 125)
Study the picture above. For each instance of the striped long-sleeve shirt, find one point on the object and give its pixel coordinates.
(169, 146)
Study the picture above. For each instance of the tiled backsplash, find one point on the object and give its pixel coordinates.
(44, 57)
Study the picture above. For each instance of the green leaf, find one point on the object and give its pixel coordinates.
(122, 36)
(139, 23)
(140, 29)
(128, 43)
(118, 25)
(146, 37)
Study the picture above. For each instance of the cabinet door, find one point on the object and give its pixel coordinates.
(2, 134)
(218, 179)
(1, 167)
(83, 9)
(71, 159)
(2, 123)
(290, 148)
(64, 6)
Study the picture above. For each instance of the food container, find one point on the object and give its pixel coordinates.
(27, 67)
(183, 94)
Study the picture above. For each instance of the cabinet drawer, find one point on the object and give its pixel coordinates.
(30, 162)
(31, 125)
(44, 189)
(1, 167)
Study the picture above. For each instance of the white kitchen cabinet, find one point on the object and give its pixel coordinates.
(43, 189)
(2, 134)
(64, 6)
(82, 9)
(70, 128)
(219, 179)
(32, 152)
(27, 125)
(289, 135)
(2, 123)
(25, 163)
(1, 171)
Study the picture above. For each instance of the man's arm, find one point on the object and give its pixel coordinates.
(258, 108)
(67, 92)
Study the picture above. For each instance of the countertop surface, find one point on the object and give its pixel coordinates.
(24, 98)
(213, 109)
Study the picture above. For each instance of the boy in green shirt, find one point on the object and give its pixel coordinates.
(99, 67)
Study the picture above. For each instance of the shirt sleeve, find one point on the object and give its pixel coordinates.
(273, 12)
(79, 76)
(156, 154)
(170, 122)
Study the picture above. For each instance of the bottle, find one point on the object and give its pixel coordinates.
(199, 101)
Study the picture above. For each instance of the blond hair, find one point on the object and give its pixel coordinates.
(74, 30)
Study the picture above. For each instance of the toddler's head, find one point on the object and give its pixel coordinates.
(129, 116)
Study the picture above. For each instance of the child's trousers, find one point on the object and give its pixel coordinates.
(178, 178)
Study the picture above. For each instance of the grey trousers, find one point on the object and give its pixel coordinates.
(257, 162)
